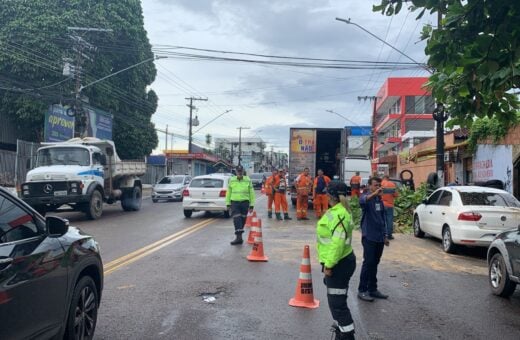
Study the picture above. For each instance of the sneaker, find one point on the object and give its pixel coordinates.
(378, 295)
(365, 296)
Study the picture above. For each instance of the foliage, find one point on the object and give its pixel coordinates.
(486, 128)
(34, 39)
(355, 210)
(405, 204)
(475, 55)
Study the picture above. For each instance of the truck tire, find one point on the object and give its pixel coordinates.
(187, 213)
(94, 209)
(132, 199)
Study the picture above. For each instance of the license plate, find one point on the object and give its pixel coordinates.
(60, 193)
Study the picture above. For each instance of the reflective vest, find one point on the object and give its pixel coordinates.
(334, 235)
(269, 185)
(240, 190)
(389, 193)
(303, 184)
(355, 182)
(318, 190)
(279, 184)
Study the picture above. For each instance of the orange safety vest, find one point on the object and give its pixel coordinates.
(280, 184)
(327, 181)
(269, 185)
(303, 184)
(355, 182)
(389, 193)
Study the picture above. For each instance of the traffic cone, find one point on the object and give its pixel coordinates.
(257, 252)
(249, 218)
(304, 296)
(256, 228)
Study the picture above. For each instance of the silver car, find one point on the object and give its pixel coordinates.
(170, 188)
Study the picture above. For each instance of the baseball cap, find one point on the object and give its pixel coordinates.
(239, 168)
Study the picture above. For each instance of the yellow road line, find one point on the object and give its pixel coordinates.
(151, 248)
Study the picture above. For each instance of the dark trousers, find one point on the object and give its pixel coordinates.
(337, 289)
(372, 252)
(239, 214)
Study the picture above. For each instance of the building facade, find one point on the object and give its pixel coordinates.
(249, 152)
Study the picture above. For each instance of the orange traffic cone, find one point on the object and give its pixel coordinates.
(249, 218)
(257, 252)
(256, 228)
(304, 296)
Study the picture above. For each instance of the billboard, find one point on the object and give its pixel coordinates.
(99, 123)
(494, 162)
(59, 126)
(303, 140)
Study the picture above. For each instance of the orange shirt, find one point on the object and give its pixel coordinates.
(355, 182)
(269, 185)
(280, 183)
(303, 184)
(389, 193)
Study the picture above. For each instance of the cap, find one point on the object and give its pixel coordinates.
(239, 168)
(337, 188)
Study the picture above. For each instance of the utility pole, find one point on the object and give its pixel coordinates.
(192, 122)
(240, 143)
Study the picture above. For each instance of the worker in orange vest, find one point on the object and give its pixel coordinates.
(388, 196)
(303, 185)
(269, 191)
(355, 185)
(320, 199)
(280, 196)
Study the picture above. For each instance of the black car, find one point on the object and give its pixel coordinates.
(257, 178)
(51, 275)
(504, 263)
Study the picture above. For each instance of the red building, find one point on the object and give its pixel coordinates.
(402, 118)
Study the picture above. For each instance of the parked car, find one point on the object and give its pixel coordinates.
(504, 262)
(51, 275)
(466, 215)
(206, 193)
(257, 178)
(170, 188)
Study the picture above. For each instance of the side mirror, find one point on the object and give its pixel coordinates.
(103, 160)
(56, 226)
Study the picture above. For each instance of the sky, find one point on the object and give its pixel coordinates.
(269, 99)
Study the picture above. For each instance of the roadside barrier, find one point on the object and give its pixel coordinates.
(304, 296)
(257, 252)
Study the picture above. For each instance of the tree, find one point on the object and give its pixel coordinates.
(475, 55)
(33, 42)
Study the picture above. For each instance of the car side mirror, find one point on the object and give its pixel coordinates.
(56, 226)
(103, 160)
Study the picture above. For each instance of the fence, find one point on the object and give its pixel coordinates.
(7, 168)
(153, 174)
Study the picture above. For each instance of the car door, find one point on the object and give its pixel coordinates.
(513, 249)
(441, 213)
(33, 278)
(426, 217)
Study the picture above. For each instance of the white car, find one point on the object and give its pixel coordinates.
(466, 215)
(170, 188)
(206, 193)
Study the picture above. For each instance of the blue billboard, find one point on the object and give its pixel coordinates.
(59, 126)
(99, 123)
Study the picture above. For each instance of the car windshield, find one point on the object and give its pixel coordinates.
(207, 183)
(63, 156)
(172, 180)
(489, 198)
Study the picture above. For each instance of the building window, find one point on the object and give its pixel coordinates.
(419, 104)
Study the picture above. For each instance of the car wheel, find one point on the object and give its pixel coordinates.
(498, 276)
(187, 213)
(417, 232)
(227, 214)
(447, 242)
(154, 200)
(94, 209)
(82, 318)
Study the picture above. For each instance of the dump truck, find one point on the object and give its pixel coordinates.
(83, 173)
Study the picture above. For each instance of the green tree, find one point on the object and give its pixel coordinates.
(475, 55)
(34, 39)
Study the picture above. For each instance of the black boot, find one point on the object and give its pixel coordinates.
(270, 214)
(237, 240)
(286, 216)
(340, 335)
(278, 216)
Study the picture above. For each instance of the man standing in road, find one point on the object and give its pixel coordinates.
(269, 191)
(355, 185)
(240, 197)
(389, 195)
(320, 200)
(280, 198)
(374, 238)
(303, 187)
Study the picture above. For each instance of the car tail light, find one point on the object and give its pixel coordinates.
(185, 193)
(469, 216)
(222, 193)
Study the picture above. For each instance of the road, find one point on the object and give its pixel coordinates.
(159, 266)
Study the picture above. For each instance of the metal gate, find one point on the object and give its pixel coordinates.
(25, 159)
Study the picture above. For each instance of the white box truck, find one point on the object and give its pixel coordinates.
(83, 173)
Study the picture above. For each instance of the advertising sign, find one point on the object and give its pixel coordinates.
(494, 162)
(303, 140)
(99, 123)
(58, 125)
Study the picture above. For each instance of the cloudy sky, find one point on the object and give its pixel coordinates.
(271, 98)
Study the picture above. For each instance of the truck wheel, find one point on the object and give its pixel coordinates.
(95, 206)
(187, 213)
(132, 199)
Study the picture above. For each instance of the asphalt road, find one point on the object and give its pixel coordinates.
(158, 292)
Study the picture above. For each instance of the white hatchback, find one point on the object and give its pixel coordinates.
(206, 193)
(466, 215)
